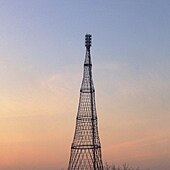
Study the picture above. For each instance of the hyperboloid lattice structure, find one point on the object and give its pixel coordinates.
(86, 147)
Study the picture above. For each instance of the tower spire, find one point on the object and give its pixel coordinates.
(88, 38)
(86, 147)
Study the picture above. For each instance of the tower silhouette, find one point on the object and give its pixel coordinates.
(86, 147)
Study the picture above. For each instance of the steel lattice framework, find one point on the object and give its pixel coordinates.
(86, 147)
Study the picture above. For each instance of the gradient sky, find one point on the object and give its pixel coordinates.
(41, 61)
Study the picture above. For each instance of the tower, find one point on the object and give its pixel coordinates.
(86, 147)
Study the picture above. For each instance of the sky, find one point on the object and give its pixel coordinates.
(41, 64)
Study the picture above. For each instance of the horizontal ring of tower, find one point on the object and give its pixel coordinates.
(83, 147)
(87, 90)
(87, 64)
(86, 118)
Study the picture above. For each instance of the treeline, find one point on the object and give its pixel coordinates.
(123, 167)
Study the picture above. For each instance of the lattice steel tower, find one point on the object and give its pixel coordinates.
(86, 148)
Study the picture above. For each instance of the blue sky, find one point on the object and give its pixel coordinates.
(41, 58)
